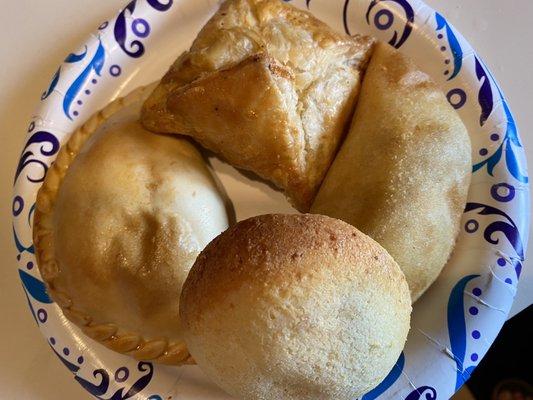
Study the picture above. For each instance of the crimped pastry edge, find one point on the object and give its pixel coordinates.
(110, 335)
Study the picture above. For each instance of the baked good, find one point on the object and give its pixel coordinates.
(403, 172)
(295, 307)
(269, 88)
(120, 219)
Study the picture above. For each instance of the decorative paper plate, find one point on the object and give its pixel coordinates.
(453, 324)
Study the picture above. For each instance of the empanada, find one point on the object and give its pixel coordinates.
(403, 172)
(120, 220)
(269, 88)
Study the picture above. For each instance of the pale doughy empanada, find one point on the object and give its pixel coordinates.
(269, 88)
(120, 220)
(403, 172)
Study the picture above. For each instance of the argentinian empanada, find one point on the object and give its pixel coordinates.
(403, 172)
(269, 88)
(120, 219)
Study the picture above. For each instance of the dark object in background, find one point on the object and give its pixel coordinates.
(506, 372)
(513, 390)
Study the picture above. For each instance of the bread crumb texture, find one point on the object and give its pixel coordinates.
(295, 307)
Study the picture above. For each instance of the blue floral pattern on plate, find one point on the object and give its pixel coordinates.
(457, 51)
(384, 17)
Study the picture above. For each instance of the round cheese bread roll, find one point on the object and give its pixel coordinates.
(403, 172)
(295, 307)
(118, 230)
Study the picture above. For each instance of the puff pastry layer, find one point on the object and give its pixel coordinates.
(269, 88)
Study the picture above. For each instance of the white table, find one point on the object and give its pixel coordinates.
(36, 35)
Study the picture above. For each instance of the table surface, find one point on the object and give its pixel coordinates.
(38, 34)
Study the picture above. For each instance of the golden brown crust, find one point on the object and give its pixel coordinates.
(57, 257)
(261, 107)
(250, 255)
(306, 74)
(295, 307)
(403, 172)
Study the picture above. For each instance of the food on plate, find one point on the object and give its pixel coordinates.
(120, 219)
(268, 87)
(295, 307)
(403, 172)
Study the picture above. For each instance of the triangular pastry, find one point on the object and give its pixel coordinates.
(269, 88)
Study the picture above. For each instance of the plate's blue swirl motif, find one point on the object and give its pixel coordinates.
(510, 140)
(491, 162)
(345, 17)
(511, 137)
(30, 214)
(429, 392)
(70, 366)
(100, 389)
(485, 93)
(95, 65)
(457, 327)
(508, 227)
(389, 380)
(456, 308)
(20, 247)
(52, 85)
(70, 59)
(139, 27)
(47, 140)
(35, 287)
(73, 58)
(384, 18)
(162, 6)
(508, 144)
(136, 48)
(455, 47)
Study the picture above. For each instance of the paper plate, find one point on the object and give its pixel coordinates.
(453, 324)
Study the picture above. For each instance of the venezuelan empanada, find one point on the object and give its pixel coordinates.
(403, 172)
(269, 88)
(120, 220)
